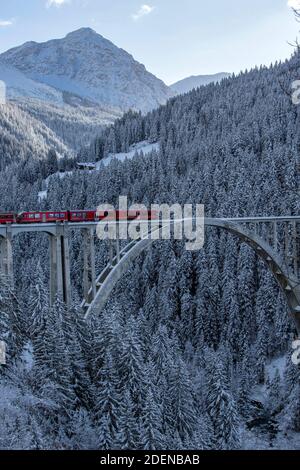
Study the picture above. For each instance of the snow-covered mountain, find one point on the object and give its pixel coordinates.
(189, 83)
(67, 89)
(87, 65)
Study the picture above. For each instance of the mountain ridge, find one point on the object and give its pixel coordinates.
(195, 81)
(86, 64)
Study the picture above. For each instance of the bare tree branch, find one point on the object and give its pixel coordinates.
(297, 14)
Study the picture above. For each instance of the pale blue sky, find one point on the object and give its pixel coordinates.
(173, 38)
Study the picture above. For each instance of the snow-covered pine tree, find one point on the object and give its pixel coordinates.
(222, 408)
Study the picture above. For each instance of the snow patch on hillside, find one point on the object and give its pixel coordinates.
(144, 148)
(277, 364)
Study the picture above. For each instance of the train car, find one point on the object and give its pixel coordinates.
(143, 215)
(153, 215)
(112, 215)
(8, 218)
(83, 216)
(124, 215)
(42, 217)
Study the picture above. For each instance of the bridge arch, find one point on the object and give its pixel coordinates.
(287, 282)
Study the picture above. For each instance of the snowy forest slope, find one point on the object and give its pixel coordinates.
(23, 136)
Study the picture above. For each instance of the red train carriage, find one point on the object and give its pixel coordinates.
(82, 216)
(112, 215)
(153, 215)
(121, 215)
(42, 217)
(143, 215)
(130, 215)
(8, 218)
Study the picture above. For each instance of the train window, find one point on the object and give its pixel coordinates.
(57, 216)
(31, 216)
(37, 216)
(62, 215)
(51, 215)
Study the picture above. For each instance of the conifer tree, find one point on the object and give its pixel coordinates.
(222, 409)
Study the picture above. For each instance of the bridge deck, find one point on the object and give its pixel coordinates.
(275, 239)
(51, 227)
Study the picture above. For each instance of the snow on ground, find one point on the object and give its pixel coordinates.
(276, 364)
(259, 392)
(42, 195)
(285, 440)
(139, 148)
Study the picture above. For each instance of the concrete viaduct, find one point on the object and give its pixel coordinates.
(276, 240)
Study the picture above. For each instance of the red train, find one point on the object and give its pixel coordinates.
(40, 217)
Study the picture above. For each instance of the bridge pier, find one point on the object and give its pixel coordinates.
(60, 278)
(111, 253)
(89, 271)
(115, 249)
(6, 256)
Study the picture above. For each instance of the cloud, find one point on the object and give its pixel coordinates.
(57, 3)
(143, 11)
(4, 23)
(294, 4)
